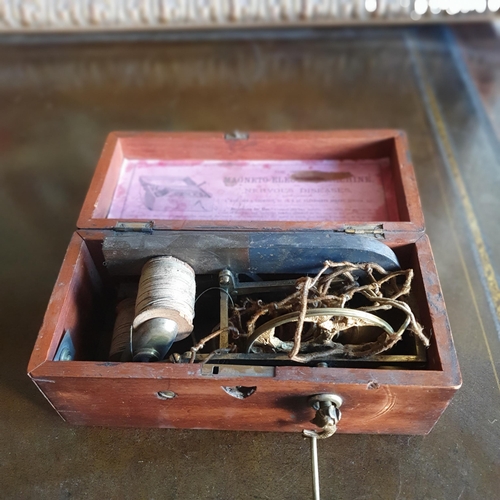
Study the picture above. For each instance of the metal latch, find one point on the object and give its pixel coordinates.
(134, 227)
(236, 135)
(377, 230)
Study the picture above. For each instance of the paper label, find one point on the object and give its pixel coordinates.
(257, 190)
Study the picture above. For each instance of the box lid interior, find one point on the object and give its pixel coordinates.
(259, 181)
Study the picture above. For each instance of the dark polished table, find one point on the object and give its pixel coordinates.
(61, 96)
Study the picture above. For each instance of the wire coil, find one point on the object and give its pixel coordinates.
(164, 309)
(120, 341)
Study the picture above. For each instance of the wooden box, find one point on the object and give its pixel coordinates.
(90, 390)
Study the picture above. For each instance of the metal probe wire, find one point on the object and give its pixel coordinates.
(315, 469)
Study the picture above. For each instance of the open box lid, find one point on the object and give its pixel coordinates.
(355, 181)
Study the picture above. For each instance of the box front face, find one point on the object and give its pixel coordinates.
(275, 404)
(322, 180)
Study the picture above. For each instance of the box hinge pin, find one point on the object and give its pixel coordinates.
(377, 231)
(134, 227)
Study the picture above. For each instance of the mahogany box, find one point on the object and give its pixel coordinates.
(243, 194)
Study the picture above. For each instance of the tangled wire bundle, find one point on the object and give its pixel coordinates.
(334, 289)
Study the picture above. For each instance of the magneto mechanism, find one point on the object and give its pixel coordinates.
(341, 313)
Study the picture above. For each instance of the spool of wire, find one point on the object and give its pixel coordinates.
(164, 309)
(120, 342)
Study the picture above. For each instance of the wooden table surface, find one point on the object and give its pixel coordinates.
(60, 96)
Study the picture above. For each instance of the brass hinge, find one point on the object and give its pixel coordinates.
(134, 227)
(377, 230)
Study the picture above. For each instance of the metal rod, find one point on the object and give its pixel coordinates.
(226, 286)
(263, 286)
(315, 469)
(224, 319)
